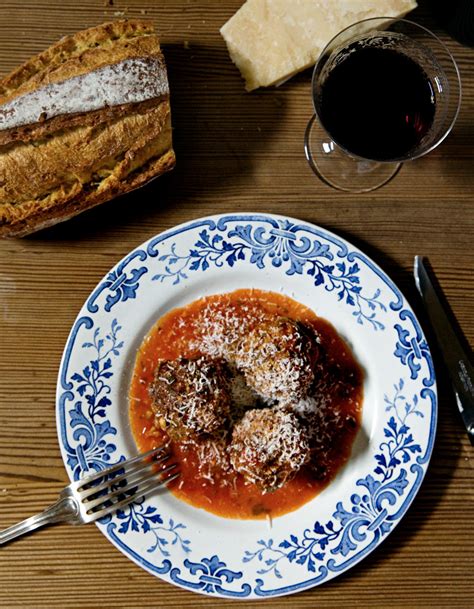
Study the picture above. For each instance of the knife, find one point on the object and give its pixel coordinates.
(457, 359)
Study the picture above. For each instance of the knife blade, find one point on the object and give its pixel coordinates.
(457, 359)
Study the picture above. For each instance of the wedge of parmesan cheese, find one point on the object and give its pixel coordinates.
(271, 40)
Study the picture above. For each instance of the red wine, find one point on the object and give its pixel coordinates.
(377, 103)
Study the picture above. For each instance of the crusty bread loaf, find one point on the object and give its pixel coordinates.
(84, 121)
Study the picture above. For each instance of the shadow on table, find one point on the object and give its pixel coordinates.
(218, 130)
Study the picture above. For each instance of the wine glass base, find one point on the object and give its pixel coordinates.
(339, 170)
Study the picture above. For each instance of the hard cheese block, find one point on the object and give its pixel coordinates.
(270, 40)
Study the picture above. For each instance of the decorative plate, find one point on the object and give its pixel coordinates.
(239, 558)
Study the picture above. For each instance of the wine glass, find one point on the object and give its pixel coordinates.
(384, 91)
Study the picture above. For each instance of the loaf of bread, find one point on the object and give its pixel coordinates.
(86, 120)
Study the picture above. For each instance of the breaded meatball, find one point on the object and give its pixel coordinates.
(268, 447)
(277, 359)
(191, 397)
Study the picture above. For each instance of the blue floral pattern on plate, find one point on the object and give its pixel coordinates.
(302, 551)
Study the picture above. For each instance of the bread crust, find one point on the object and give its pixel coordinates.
(70, 48)
(54, 169)
(80, 202)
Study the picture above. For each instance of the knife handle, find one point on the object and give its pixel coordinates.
(464, 391)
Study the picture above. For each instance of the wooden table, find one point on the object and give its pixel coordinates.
(236, 152)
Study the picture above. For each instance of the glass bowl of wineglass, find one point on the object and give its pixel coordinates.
(385, 91)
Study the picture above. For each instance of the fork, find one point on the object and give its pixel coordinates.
(101, 493)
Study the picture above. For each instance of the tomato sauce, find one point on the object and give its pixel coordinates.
(228, 495)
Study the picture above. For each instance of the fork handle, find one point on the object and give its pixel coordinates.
(64, 509)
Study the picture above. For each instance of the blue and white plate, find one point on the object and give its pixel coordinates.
(247, 559)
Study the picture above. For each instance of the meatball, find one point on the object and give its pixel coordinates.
(277, 359)
(268, 447)
(191, 397)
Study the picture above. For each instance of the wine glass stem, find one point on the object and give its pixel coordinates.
(338, 169)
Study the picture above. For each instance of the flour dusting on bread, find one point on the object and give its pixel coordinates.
(127, 82)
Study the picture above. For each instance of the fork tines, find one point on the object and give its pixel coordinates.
(115, 487)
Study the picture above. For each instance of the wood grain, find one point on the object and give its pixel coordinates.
(235, 152)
